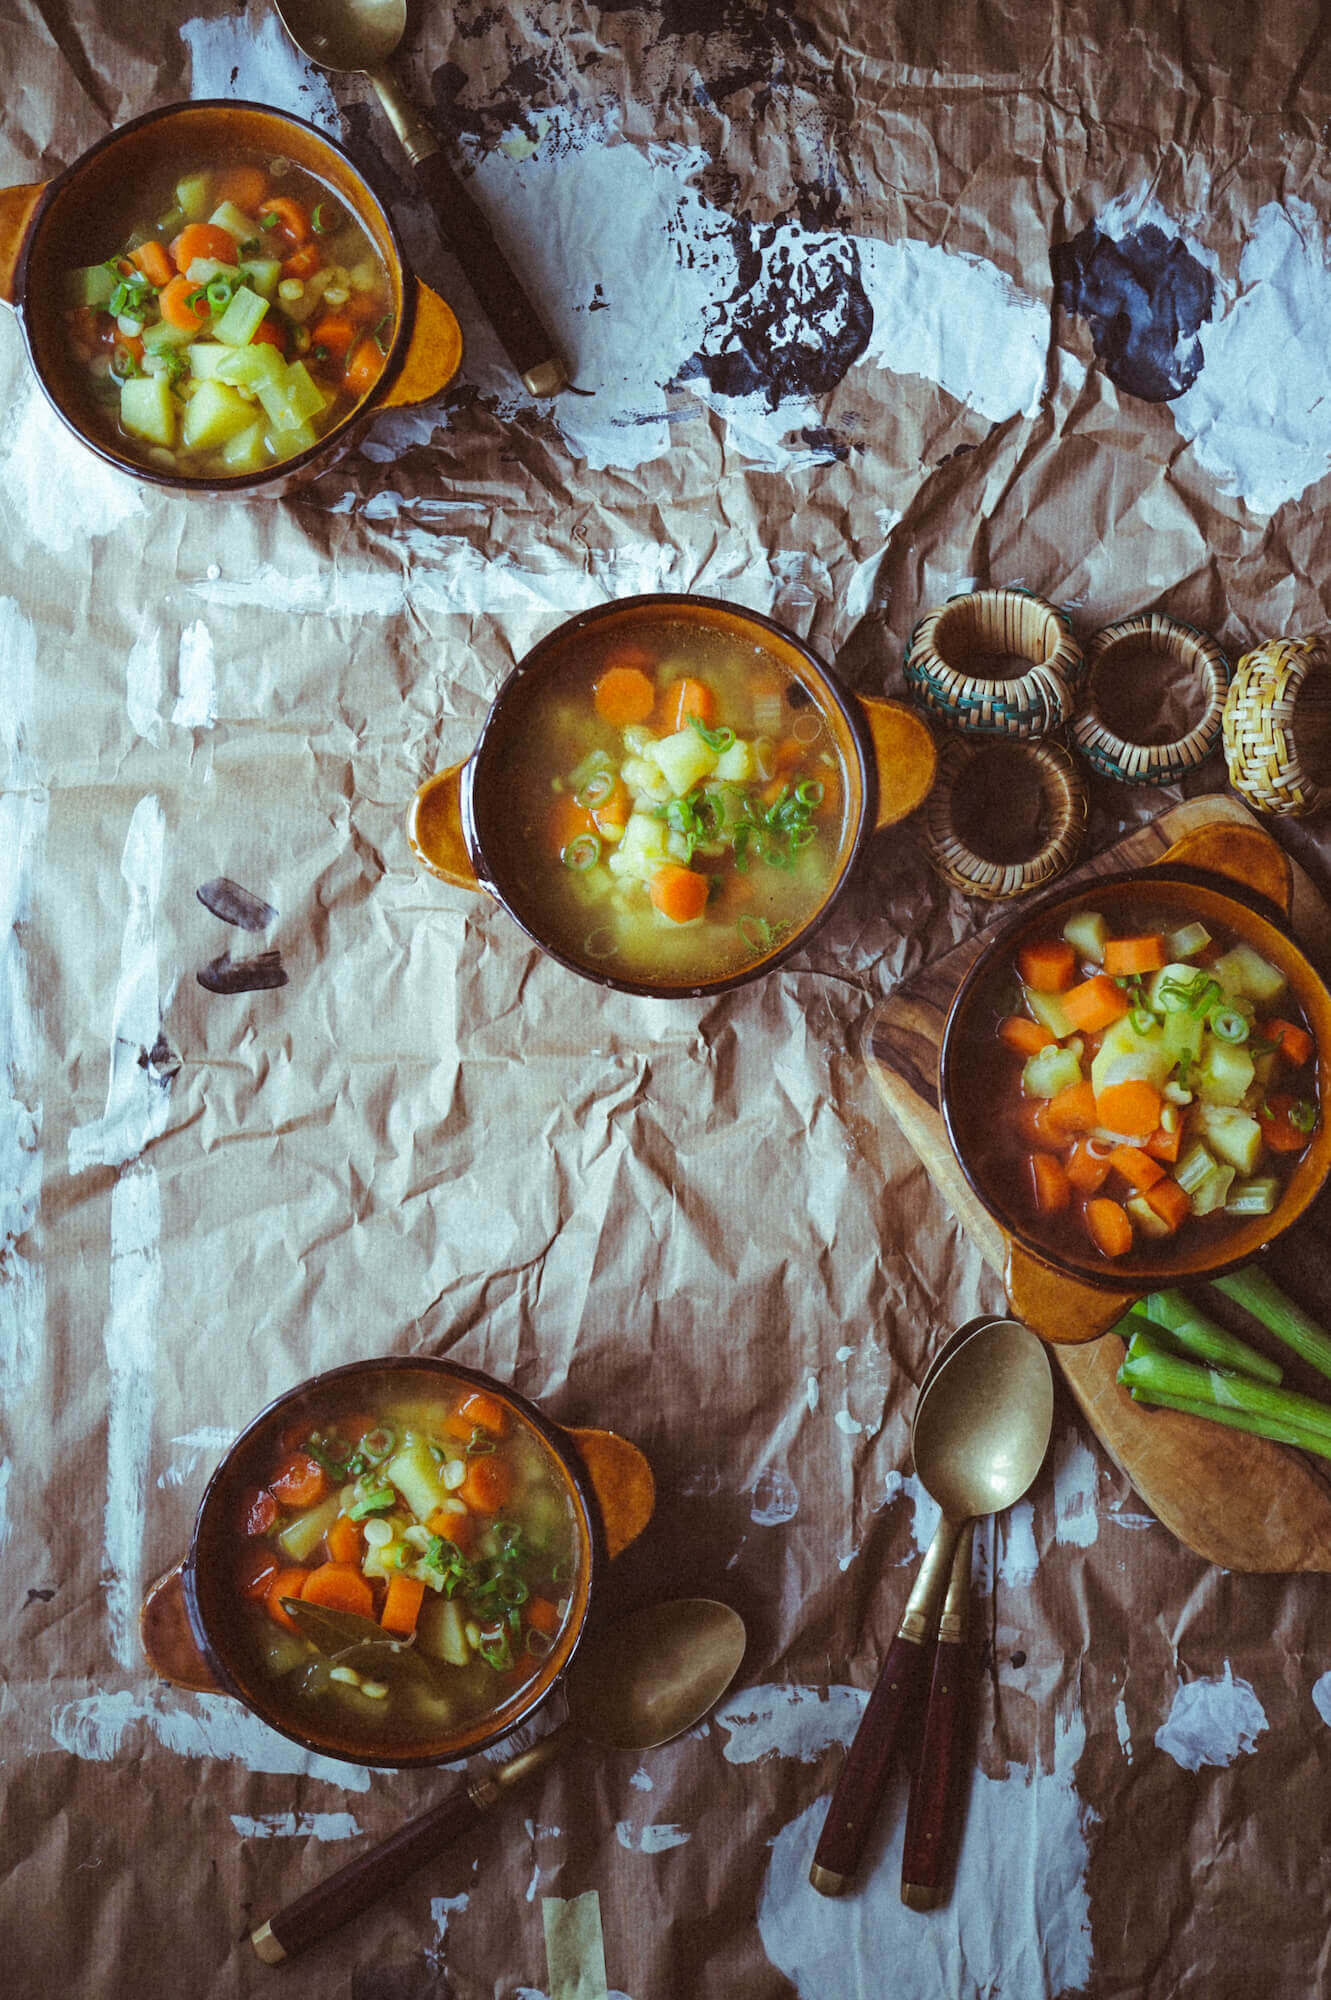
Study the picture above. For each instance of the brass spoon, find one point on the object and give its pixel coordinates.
(637, 1685)
(349, 35)
(980, 1432)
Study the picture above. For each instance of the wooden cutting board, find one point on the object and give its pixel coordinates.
(1236, 1500)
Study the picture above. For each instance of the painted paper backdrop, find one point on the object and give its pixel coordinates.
(871, 303)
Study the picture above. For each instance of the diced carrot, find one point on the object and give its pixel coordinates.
(1132, 1108)
(613, 811)
(487, 1413)
(459, 1529)
(627, 653)
(541, 1615)
(1026, 1037)
(245, 186)
(1296, 1044)
(1125, 956)
(266, 334)
(365, 364)
(1109, 1226)
(304, 262)
(1279, 1131)
(339, 1586)
(154, 263)
(335, 331)
(258, 1511)
(173, 304)
(1050, 1182)
(344, 1540)
(1032, 1121)
(830, 780)
(255, 1572)
(299, 1480)
(678, 892)
(487, 1484)
(402, 1604)
(1138, 1169)
(1164, 1145)
(287, 1583)
(623, 695)
(1087, 1169)
(292, 218)
(131, 344)
(1095, 1003)
(1073, 1109)
(567, 821)
(1049, 965)
(788, 755)
(203, 239)
(685, 701)
(1169, 1202)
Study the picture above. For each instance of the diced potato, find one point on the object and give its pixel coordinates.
(1086, 931)
(227, 216)
(1188, 941)
(1129, 1055)
(203, 270)
(1245, 973)
(192, 197)
(684, 758)
(642, 850)
(215, 415)
(1144, 1218)
(249, 367)
(1177, 972)
(301, 1537)
(418, 1477)
(248, 450)
(441, 1631)
(148, 410)
(287, 444)
(1183, 1034)
(261, 275)
(1230, 1133)
(736, 764)
(1050, 1070)
(1049, 1011)
(1225, 1071)
(645, 780)
(636, 738)
(206, 358)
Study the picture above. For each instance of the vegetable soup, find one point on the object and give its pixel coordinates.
(1144, 1080)
(678, 806)
(399, 1569)
(235, 315)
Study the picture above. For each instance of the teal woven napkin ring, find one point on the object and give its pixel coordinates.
(1182, 650)
(953, 651)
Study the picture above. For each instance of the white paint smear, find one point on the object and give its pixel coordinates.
(143, 682)
(131, 1329)
(792, 1721)
(1258, 417)
(42, 465)
(1211, 1721)
(649, 1839)
(811, 1393)
(137, 1105)
(245, 53)
(956, 320)
(1076, 1473)
(926, 1512)
(104, 1726)
(1122, 1725)
(296, 1826)
(1010, 1928)
(642, 1780)
(208, 1442)
(845, 1422)
(6, 1525)
(1322, 1696)
(196, 703)
(776, 1499)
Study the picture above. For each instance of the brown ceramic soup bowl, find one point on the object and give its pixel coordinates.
(49, 228)
(465, 828)
(1235, 880)
(199, 1630)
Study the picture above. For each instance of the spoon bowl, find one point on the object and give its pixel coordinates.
(355, 35)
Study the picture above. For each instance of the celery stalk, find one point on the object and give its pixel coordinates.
(1150, 1365)
(1203, 1339)
(1240, 1420)
(1258, 1294)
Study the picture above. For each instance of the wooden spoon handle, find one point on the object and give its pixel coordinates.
(934, 1812)
(855, 1801)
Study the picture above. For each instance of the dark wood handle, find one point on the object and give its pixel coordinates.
(352, 1889)
(932, 1815)
(855, 1801)
(505, 304)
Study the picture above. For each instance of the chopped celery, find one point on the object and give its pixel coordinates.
(1240, 1420)
(1199, 1336)
(1260, 1295)
(1193, 1168)
(249, 367)
(1049, 1011)
(1213, 1192)
(171, 223)
(215, 415)
(147, 409)
(1050, 1070)
(1151, 1365)
(161, 336)
(92, 285)
(1187, 942)
(1087, 932)
(261, 275)
(235, 221)
(206, 358)
(1254, 1197)
(1224, 1073)
(242, 318)
(192, 196)
(1231, 1133)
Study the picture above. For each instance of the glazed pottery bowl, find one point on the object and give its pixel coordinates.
(460, 822)
(1231, 878)
(44, 233)
(192, 1623)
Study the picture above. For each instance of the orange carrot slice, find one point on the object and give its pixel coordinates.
(402, 1604)
(1164, 1145)
(246, 186)
(1279, 1131)
(152, 260)
(1073, 1109)
(1132, 1108)
(292, 218)
(487, 1413)
(299, 1480)
(487, 1485)
(459, 1529)
(1109, 1227)
(1087, 1168)
(1296, 1044)
(1126, 956)
(1026, 1037)
(344, 1540)
(623, 695)
(541, 1615)
(1049, 965)
(1050, 1182)
(1138, 1169)
(1095, 1003)
(1169, 1202)
(688, 700)
(338, 1587)
(287, 1583)
(678, 893)
(203, 239)
(173, 304)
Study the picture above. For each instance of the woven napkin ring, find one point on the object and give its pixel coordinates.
(1064, 791)
(1176, 646)
(985, 623)
(1262, 746)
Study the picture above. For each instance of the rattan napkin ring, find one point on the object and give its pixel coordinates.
(1151, 763)
(1064, 791)
(1009, 622)
(1261, 748)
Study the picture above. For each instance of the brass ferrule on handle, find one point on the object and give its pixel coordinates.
(921, 1611)
(418, 140)
(955, 1621)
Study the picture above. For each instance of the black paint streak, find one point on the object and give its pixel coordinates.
(160, 1062)
(796, 321)
(38, 1597)
(743, 44)
(1019, 1659)
(243, 975)
(819, 439)
(236, 905)
(1145, 298)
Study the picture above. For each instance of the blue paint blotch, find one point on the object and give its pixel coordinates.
(1145, 298)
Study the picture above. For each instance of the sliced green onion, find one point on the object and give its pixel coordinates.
(380, 1500)
(383, 341)
(219, 293)
(1303, 1115)
(715, 739)
(197, 299)
(1142, 1020)
(596, 790)
(268, 222)
(1228, 1024)
(582, 853)
(318, 223)
(480, 1444)
(378, 1443)
(810, 793)
(319, 352)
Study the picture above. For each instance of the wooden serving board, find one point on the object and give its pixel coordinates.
(1234, 1499)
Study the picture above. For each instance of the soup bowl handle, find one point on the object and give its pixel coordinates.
(17, 206)
(433, 357)
(434, 829)
(168, 1639)
(1243, 854)
(905, 754)
(1062, 1310)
